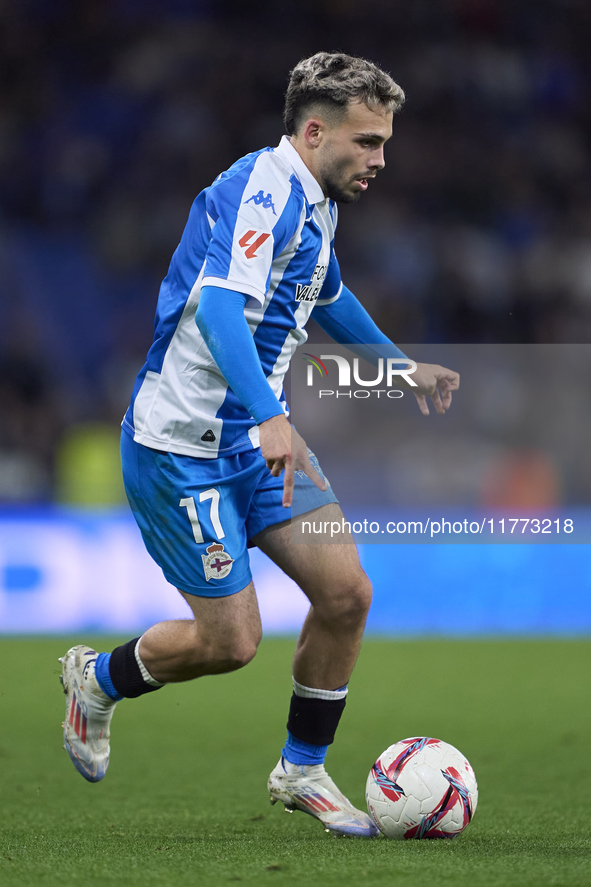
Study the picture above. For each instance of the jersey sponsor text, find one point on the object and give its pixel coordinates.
(309, 292)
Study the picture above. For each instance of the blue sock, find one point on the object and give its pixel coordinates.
(103, 677)
(296, 751)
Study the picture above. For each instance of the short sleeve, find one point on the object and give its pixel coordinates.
(245, 215)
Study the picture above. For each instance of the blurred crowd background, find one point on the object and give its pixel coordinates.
(114, 114)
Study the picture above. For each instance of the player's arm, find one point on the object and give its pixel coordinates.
(221, 321)
(347, 322)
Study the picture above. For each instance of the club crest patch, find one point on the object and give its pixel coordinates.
(217, 563)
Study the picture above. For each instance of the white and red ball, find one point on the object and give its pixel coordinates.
(421, 788)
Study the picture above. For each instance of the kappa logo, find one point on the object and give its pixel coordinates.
(264, 200)
(217, 563)
(249, 245)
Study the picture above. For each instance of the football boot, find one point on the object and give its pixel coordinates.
(88, 714)
(311, 790)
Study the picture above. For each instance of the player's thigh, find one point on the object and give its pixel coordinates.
(232, 621)
(328, 572)
(192, 513)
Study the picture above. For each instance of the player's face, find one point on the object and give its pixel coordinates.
(353, 152)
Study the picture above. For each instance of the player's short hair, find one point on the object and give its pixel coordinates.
(330, 80)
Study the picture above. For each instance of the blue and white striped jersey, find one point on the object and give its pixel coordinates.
(265, 229)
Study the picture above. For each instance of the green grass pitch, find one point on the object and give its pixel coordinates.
(184, 802)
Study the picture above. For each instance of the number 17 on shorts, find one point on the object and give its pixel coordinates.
(217, 563)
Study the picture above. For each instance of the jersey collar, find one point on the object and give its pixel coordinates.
(312, 189)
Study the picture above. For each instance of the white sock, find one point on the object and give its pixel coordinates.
(145, 673)
(313, 693)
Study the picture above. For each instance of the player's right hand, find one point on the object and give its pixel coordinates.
(284, 450)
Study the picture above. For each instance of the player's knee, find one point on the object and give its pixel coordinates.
(358, 598)
(350, 605)
(241, 654)
(233, 652)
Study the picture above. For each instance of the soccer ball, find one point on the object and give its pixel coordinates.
(421, 788)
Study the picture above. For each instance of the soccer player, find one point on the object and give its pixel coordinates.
(210, 460)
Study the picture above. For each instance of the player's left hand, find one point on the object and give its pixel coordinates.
(436, 382)
(284, 450)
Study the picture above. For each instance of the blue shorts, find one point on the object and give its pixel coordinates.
(197, 515)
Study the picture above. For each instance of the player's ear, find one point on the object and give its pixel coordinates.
(313, 131)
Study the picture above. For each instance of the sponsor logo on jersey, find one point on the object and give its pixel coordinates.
(309, 292)
(217, 563)
(264, 200)
(251, 240)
